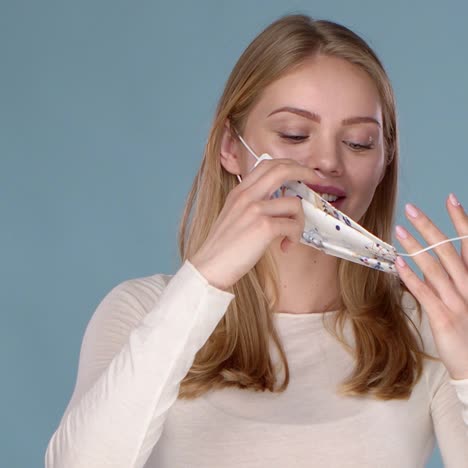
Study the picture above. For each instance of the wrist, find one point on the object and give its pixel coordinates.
(204, 268)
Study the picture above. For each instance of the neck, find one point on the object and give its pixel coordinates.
(308, 279)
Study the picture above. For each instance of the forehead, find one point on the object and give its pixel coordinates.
(332, 87)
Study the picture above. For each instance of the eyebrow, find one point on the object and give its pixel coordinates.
(316, 118)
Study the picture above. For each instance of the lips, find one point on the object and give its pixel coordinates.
(338, 203)
(330, 189)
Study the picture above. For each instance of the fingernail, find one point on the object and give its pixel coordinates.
(411, 210)
(401, 232)
(454, 200)
(400, 261)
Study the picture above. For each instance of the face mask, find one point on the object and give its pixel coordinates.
(334, 233)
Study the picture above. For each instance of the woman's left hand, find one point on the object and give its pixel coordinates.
(443, 293)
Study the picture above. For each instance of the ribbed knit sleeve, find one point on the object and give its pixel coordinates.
(138, 346)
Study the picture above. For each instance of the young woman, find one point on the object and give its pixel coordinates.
(261, 351)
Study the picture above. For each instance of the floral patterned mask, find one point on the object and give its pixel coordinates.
(334, 233)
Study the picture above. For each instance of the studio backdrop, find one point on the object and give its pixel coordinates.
(105, 107)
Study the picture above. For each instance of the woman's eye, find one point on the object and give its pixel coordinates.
(359, 146)
(294, 138)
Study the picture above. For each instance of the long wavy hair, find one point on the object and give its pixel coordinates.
(388, 355)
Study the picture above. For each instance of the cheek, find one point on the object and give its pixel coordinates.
(367, 173)
(365, 180)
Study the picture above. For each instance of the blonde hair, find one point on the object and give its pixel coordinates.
(388, 357)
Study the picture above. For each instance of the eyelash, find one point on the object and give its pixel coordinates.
(358, 146)
(300, 138)
(293, 138)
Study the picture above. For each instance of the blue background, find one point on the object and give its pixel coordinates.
(104, 110)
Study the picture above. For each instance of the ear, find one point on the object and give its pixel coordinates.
(229, 152)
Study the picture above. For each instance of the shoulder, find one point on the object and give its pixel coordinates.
(116, 315)
(142, 291)
(124, 306)
(127, 303)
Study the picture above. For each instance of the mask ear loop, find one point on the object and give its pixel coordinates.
(251, 151)
(433, 246)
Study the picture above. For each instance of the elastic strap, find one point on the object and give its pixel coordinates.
(433, 246)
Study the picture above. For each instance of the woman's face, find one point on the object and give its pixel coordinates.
(327, 115)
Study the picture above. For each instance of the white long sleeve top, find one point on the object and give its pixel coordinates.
(140, 343)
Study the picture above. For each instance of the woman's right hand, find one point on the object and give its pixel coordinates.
(250, 220)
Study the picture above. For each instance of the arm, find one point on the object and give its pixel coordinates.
(449, 409)
(449, 406)
(461, 389)
(131, 364)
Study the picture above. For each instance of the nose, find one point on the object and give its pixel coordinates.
(326, 160)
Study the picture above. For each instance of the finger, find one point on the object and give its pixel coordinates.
(248, 211)
(288, 207)
(460, 221)
(286, 227)
(438, 279)
(254, 175)
(276, 174)
(285, 206)
(447, 253)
